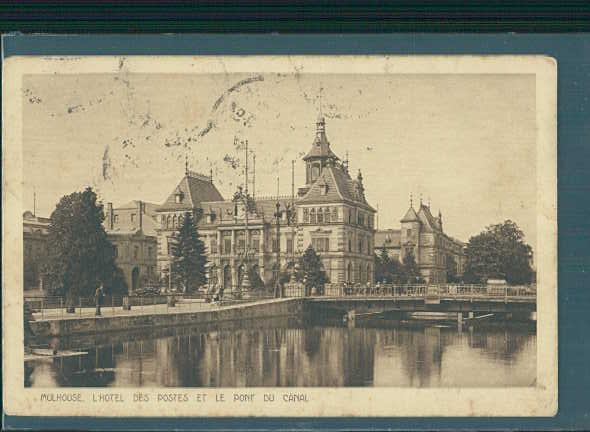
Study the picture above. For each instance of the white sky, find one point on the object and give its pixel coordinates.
(465, 141)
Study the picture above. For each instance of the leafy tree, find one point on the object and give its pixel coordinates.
(311, 271)
(499, 252)
(389, 270)
(80, 256)
(188, 256)
(412, 272)
(256, 281)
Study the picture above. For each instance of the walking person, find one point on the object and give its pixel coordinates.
(98, 295)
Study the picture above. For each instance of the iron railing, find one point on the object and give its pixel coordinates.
(54, 307)
(417, 291)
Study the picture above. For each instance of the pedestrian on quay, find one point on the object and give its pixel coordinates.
(98, 295)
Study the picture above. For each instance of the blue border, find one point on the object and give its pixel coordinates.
(572, 52)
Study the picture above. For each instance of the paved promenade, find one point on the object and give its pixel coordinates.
(182, 306)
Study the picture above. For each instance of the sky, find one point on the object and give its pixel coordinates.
(465, 143)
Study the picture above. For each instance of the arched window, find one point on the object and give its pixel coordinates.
(169, 222)
(368, 272)
(174, 221)
(180, 219)
(334, 214)
(305, 215)
(313, 217)
(361, 276)
(163, 221)
(320, 215)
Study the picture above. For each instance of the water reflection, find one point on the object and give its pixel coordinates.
(283, 353)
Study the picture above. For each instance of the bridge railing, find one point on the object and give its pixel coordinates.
(422, 290)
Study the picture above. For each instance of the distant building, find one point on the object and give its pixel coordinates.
(131, 229)
(423, 234)
(330, 213)
(35, 230)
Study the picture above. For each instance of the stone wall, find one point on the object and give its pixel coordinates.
(92, 325)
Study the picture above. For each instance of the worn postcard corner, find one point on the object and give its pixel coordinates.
(280, 236)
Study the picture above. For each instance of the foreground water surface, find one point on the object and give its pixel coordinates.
(275, 353)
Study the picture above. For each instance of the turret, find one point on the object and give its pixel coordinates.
(320, 154)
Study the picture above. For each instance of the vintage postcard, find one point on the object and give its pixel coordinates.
(280, 236)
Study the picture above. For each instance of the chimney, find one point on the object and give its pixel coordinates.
(110, 216)
(140, 214)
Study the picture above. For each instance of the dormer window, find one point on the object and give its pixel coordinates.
(323, 188)
(178, 197)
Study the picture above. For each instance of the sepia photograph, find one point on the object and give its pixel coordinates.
(281, 235)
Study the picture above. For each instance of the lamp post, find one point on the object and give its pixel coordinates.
(244, 199)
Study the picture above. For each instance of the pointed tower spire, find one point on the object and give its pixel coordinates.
(411, 200)
(186, 164)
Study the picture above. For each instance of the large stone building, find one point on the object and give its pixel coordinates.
(330, 213)
(132, 230)
(423, 234)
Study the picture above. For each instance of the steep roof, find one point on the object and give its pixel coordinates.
(410, 216)
(340, 188)
(194, 190)
(389, 238)
(429, 221)
(321, 146)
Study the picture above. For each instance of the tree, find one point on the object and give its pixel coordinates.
(80, 256)
(188, 256)
(311, 271)
(389, 270)
(499, 252)
(410, 267)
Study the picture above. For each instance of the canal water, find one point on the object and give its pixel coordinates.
(284, 352)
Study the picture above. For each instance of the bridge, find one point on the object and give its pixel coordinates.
(472, 300)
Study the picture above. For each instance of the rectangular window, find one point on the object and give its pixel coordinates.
(409, 233)
(290, 245)
(135, 252)
(132, 217)
(241, 245)
(150, 251)
(214, 246)
(256, 245)
(116, 251)
(275, 245)
(227, 246)
(116, 218)
(321, 244)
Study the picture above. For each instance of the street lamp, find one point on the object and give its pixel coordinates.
(242, 197)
